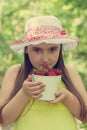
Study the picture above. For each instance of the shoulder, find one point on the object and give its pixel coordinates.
(14, 68)
(74, 76)
(12, 72)
(8, 83)
(72, 72)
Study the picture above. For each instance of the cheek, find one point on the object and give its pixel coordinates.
(34, 59)
(55, 58)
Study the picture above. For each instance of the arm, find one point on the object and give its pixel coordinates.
(68, 98)
(8, 84)
(12, 110)
(77, 81)
(8, 87)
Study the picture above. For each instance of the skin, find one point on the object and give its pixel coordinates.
(43, 54)
(40, 55)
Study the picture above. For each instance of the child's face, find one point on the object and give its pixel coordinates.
(43, 54)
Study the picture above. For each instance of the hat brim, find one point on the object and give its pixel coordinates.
(67, 42)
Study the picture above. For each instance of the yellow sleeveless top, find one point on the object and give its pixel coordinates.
(41, 115)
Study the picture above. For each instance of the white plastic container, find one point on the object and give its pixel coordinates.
(51, 85)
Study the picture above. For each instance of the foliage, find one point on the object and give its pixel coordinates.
(14, 14)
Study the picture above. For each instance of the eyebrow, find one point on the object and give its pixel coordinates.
(54, 47)
(34, 47)
(42, 48)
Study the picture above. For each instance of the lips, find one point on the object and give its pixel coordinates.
(44, 65)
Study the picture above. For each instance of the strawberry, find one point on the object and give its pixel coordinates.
(58, 72)
(40, 72)
(46, 71)
(51, 73)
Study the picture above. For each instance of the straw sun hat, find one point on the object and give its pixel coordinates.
(46, 29)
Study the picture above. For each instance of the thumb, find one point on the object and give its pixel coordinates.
(29, 78)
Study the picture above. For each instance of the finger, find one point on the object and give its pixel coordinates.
(38, 87)
(57, 99)
(37, 95)
(29, 78)
(33, 84)
(34, 90)
(37, 91)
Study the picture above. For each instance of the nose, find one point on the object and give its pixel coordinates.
(45, 57)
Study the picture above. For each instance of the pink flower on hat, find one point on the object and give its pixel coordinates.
(63, 32)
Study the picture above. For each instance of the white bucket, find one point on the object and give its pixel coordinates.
(51, 85)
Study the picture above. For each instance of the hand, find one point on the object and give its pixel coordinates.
(70, 101)
(33, 89)
(61, 95)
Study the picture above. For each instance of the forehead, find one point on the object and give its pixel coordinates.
(45, 45)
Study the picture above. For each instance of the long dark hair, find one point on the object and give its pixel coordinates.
(26, 69)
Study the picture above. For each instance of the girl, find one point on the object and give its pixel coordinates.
(19, 99)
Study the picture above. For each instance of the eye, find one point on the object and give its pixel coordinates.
(53, 49)
(37, 50)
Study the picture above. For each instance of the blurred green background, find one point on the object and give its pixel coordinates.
(14, 14)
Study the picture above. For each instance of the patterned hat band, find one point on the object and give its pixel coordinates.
(49, 31)
(43, 32)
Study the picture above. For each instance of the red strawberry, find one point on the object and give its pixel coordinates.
(40, 72)
(58, 72)
(46, 71)
(51, 73)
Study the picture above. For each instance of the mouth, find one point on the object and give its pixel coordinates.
(45, 65)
